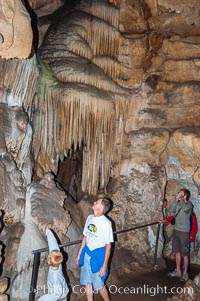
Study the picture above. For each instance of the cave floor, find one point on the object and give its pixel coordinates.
(145, 286)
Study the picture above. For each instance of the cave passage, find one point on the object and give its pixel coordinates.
(152, 285)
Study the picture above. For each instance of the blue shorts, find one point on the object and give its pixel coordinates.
(87, 277)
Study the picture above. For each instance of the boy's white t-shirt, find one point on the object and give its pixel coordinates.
(98, 230)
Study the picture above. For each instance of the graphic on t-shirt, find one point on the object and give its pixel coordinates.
(92, 228)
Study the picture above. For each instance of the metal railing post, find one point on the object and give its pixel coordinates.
(36, 263)
(156, 246)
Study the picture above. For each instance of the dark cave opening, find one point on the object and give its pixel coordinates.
(69, 174)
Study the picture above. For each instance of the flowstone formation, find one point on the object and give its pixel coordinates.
(44, 207)
(81, 90)
(109, 102)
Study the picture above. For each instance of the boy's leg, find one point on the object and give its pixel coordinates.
(89, 292)
(86, 277)
(104, 294)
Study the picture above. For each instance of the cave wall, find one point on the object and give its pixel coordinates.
(117, 81)
(15, 24)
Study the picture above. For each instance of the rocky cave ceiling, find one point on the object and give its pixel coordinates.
(95, 96)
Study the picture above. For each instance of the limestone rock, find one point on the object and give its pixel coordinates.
(4, 281)
(135, 173)
(131, 17)
(3, 285)
(14, 124)
(119, 82)
(15, 24)
(180, 48)
(46, 197)
(189, 292)
(13, 204)
(3, 297)
(13, 193)
(197, 281)
(79, 212)
(20, 287)
(44, 207)
(12, 245)
(43, 7)
(185, 140)
(89, 82)
(19, 83)
(42, 14)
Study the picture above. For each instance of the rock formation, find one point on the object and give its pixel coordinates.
(15, 24)
(43, 208)
(190, 291)
(108, 103)
(4, 283)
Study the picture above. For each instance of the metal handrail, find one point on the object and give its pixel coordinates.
(67, 244)
(37, 252)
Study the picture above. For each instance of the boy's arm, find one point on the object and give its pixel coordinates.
(106, 259)
(80, 250)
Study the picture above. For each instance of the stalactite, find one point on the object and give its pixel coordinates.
(103, 10)
(85, 122)
(80, 98)
(104, 38)
(110, 66)
(20, 78)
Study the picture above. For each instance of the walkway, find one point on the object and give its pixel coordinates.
(148, 286)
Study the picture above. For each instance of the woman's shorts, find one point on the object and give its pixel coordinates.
(87, 277)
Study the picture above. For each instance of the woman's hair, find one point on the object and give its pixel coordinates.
(186, 192)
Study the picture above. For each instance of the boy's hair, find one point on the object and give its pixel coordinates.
(106, 205)
(55, 257)
(186, 192)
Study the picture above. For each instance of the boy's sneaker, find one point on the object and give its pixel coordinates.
(175, 274)
(184, 277)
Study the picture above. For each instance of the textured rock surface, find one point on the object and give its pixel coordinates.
(15, 24)
(138, 189)
(44, 207)
(190, 291)
(47, 198)
(12, 190)
(4, 282)
(85, 79)
(15, 136)
(152, 47)
(119, 83)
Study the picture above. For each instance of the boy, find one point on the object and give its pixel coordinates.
(94, 253)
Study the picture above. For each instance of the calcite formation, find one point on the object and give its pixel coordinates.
(43, 208)
(114, 90)
(15, 24)
(4, 282)
(46, 197)
(84, 80)
(190, 291)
